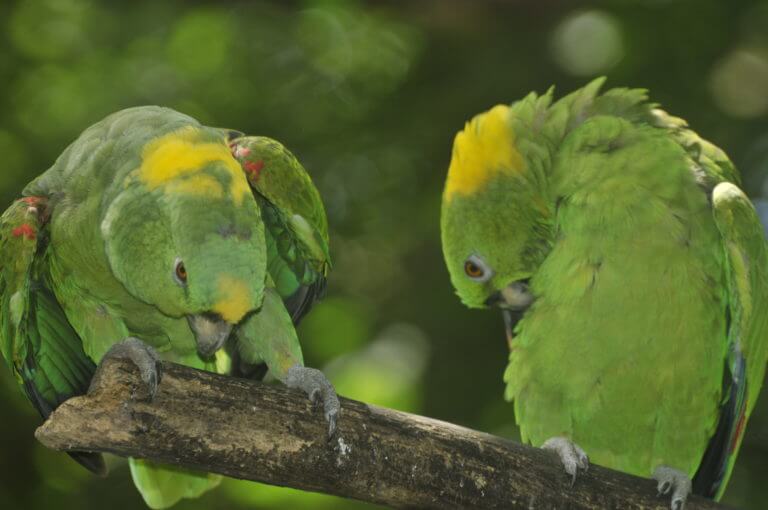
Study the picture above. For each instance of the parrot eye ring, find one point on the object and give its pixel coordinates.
(180, 272)
(476, 269)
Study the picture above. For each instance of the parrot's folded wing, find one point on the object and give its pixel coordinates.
(297, 228)
(38, 343)
(747, 262)
(297, 260)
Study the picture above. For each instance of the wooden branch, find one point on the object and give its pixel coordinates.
(270, 434)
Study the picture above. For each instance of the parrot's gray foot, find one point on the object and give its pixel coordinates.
(674, 481)
(314, 383)
(572, 457)
(142, 355)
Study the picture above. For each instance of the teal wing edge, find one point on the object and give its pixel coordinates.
(38, 344)
(746, 256)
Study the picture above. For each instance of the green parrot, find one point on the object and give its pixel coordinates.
(146, 240)
(632, 275)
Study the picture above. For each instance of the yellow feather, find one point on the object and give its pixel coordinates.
(176, 161)
(200, 184)
(236, 302)
(484, 148)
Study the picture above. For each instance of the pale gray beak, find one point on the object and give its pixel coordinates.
(511, 318)
(516, 296)
(210, 331)
(514, 300)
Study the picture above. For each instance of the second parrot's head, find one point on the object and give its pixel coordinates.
(495, 221)
(186, 235)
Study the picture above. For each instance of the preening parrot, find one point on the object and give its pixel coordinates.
(632, 275)
(148, 240)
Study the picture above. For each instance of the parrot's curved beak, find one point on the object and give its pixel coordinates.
(210, 332)
(513, 300)
(511, 318)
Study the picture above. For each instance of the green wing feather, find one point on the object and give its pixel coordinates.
(297, 228)
(712, 165)
(38, 343)
(747, 262)
(163, 486)
(744, 248)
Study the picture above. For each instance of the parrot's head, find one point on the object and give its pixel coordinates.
(495, 221)
(186, 235)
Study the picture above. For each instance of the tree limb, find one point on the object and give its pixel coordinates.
(270, 434)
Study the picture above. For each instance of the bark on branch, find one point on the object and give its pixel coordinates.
(270, 434)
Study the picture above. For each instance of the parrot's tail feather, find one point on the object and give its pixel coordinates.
(93, 462)
(717, 464)
(164, 486)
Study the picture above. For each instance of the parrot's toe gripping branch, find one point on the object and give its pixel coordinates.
(572, 457)
(672, 480)
(314, 383)
(142, 355)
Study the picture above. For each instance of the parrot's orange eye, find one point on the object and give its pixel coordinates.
(181, 272)
(473, 270)
(477, 269)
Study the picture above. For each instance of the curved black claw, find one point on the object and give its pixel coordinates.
(319, 390)
(143, 356)
(674, 481)
(571, 455)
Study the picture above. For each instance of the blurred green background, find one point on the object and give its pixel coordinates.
(368, 94)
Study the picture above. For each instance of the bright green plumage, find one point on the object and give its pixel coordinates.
(294, 216)
(145, 227)
(647, 268)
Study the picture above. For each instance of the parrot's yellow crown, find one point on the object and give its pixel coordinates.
(181, 153)
(483, 149)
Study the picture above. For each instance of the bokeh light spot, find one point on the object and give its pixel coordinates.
(200, 42)
(335, 326)
(387, 371)
(359, 55)
(587, 42)
(739, 83)
(50, 29)
(48, 111)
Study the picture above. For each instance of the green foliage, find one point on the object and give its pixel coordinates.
(368, 95)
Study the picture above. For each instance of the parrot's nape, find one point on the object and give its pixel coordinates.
(632, 275)
(154, 238)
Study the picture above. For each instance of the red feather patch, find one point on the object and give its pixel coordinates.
(25, 230)
(253, 169)
(739, 431)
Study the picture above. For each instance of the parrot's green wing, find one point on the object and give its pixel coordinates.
(712, 165)
(747, 263)
(744, 249)
(38, 343)
(297, 228)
